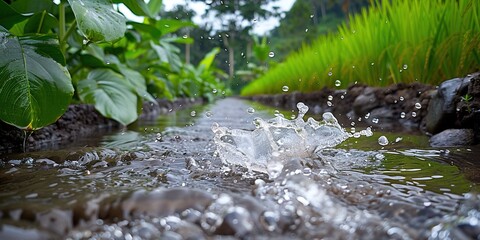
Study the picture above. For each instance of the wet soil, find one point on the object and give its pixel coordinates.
(151, 182)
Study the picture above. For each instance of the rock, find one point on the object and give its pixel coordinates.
(364, 103)
(452, 138)
(442, 108)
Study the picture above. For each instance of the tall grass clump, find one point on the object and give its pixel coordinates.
(390, 42)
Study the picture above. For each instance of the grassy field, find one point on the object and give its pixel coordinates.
(395, 41)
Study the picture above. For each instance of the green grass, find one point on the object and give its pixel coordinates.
(399, 41)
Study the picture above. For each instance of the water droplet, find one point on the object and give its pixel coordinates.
(398, 139)
(329, 103)
(158, 138)
(330, 97)
(285, 88)
(208, 114)
(330, 74)
(250, 110)
(402, 115)
(372, 63)
(307, 171)
(271, 54)
(367, 115)
(382, 140)
(214, 91)
(338, 83)
(311, 16)
(402, 98)
(414, 114)
(193, 113)
(418, 105)
(375, 120)
(185, 36)
(208, 2)
(306, 29)
(353, 66)
(405, 66)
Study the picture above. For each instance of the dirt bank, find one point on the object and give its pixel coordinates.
(79, 120)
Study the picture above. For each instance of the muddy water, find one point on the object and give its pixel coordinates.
(161, 179)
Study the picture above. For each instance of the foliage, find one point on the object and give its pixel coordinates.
(35, 84)
(238, 17)
(392, 42)
(111, 66)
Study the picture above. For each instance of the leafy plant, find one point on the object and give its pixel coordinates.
(48, 50)
(391, 42)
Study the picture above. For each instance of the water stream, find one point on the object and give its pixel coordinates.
(224, 171)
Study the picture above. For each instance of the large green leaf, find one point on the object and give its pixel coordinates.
(97, 20)
(35, 86)
(111, 94)
(9, 16)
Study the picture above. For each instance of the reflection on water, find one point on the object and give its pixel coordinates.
(161, 179)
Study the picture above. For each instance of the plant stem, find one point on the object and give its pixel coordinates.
(61, 27)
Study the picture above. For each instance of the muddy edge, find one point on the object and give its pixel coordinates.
(80, 120)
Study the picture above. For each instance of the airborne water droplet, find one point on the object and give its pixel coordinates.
(208, 114)
(405, 66)
(271, 54)
(338, 83)
(382, 140)
(418, 105)
(375, 120)
(330, 97)
(330, 74)
(214, 91)
(285, 88)
(250, 110)
(402, 115)
(193, 113)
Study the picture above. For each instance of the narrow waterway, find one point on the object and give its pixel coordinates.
(172, 178)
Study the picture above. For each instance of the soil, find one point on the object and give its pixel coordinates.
(396, 106)
(80, 120)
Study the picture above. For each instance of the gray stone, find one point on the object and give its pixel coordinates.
(364, 103)
(452, 138)
(441, 110)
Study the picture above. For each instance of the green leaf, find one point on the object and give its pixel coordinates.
(208, 59)
(181, 40)
(145, 28)
(40, 22)
(155, 7)
(171, 25)
(138, 82)
(35, 86)
(111, 94)
(98, 21)
(138, 7)
(29, 6)
(9, 17)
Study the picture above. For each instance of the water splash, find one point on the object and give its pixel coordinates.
(273, 142)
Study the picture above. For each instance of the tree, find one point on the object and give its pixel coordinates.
(238, 17)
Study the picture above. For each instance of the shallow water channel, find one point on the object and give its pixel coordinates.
(165, 178)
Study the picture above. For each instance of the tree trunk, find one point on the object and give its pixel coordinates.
(231, 62)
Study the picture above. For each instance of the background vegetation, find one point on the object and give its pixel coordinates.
(390, 42)
(86, 51)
